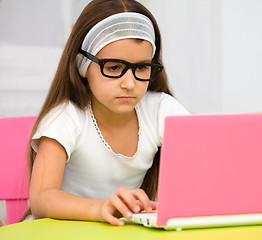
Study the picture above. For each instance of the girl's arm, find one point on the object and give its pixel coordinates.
(47, 200)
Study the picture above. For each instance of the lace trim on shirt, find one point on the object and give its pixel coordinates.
(119, 155)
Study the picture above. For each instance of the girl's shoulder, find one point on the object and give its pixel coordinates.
(64, 123)
(157, 96)
(69, 107)
(65, 113)
(160, 101)
(154, 108)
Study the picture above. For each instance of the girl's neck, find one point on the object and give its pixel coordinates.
(105, 116)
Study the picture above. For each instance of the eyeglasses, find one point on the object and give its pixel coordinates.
(116, 68)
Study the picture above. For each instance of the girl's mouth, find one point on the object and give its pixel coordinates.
(126, 98)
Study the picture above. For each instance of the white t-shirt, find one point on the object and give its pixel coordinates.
(92, 169)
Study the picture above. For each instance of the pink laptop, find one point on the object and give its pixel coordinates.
(210, 172)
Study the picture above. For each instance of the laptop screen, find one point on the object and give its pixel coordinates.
(210, 165)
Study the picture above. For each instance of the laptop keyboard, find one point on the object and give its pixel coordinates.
(144, 218)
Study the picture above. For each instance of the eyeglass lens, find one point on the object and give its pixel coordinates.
(115, 69)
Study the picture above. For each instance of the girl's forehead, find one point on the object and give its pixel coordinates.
(127, 49)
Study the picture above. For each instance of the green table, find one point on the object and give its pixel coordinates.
(49, 229)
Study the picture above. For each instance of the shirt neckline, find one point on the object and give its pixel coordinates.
(107, 146)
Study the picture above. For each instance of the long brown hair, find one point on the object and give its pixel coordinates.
(68, 85)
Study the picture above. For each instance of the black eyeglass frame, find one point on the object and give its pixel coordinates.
(133, 66)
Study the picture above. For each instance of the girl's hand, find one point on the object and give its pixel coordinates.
(123, 203)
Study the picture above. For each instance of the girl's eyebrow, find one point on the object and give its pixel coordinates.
(145, 61)
(142, 61)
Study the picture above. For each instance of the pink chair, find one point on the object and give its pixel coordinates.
(14, 182)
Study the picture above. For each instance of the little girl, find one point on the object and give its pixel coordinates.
(95, 146)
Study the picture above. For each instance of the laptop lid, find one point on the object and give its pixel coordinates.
(210, 165)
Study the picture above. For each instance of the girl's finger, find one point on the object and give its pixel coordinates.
(154, 205)
(117, 203)
(127, 196)
(143, 199)
(113, 220)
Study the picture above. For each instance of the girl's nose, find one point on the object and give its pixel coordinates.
(128, 80)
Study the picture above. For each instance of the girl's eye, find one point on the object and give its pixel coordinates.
(113, 67)
(143, 68)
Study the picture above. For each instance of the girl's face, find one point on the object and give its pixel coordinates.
(119, 95)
